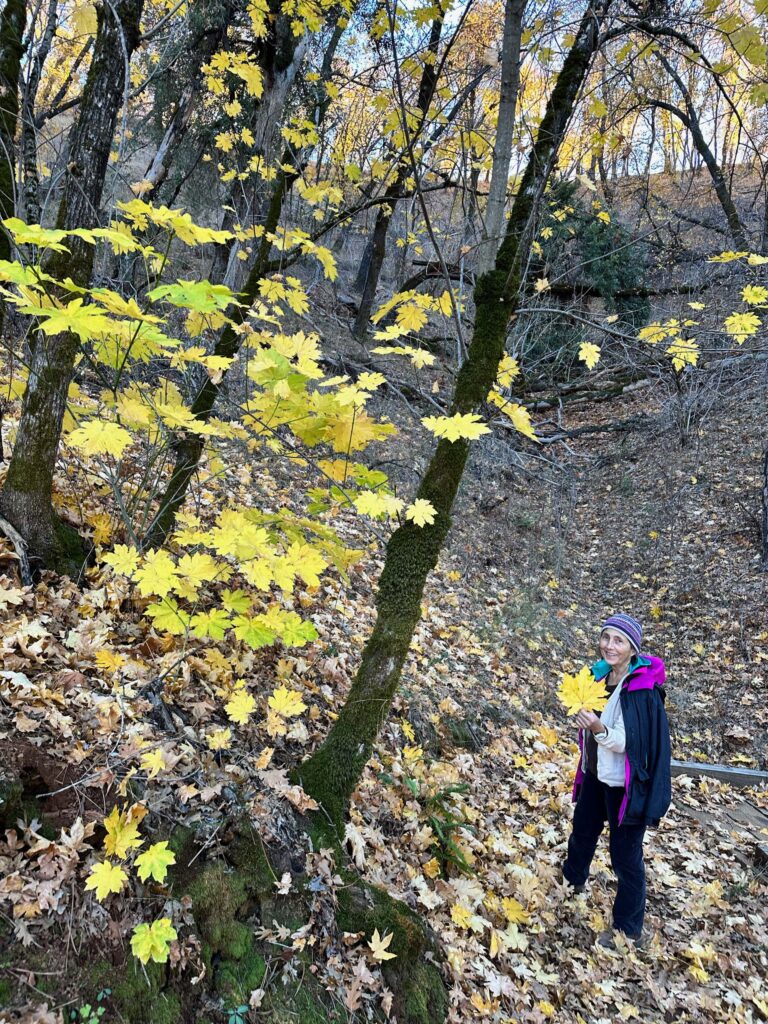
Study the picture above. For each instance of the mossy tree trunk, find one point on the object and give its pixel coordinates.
(26, 498)
(332, 772)
(12, 23)
(188, 448)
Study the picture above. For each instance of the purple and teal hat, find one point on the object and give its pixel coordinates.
(628, 626)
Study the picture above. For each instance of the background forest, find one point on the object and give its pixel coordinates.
(357, 360)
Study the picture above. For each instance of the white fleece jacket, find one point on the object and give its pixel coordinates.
(612, 745)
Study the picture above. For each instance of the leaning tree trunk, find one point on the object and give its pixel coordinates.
(397, 190)
(505, 126)
(332, 772)
(30, 175)
(690, 119)
(26, 498)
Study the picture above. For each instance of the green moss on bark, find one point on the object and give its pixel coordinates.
(414, 976)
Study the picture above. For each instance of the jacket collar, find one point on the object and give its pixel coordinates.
(601, 668)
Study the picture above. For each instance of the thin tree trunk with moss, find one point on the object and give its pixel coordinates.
(209, 22)
(26, 497)
(332, 772)
(12, 23)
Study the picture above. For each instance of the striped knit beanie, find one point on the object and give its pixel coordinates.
(627, 626)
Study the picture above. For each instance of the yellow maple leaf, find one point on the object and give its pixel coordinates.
(461, 915)
(157, 575)
(240, 707)
(466, 426)
(514, 911)
(590, 354)
(153, 762)
(109, 660)
(432, 868)
(582, 691)
(106, 877)
(286, 702)
(151, 941)
(219, 739)
(122, 830)
(379, 946)
(421, 512)
(100, 437)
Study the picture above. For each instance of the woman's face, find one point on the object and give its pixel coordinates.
(615, 647)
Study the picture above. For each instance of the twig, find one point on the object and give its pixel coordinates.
(20, 547)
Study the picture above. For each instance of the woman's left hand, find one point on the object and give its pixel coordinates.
(589, 720)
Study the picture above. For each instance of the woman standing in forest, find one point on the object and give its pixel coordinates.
(623, 776)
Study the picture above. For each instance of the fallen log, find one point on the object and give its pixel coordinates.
(739, 777)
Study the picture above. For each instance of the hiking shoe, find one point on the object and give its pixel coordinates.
(607, 939)
(573, 890)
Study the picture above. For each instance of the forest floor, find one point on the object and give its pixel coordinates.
(464, 810)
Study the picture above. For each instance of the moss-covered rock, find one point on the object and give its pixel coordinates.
(139, 995)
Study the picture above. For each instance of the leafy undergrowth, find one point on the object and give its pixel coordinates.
(463, 812)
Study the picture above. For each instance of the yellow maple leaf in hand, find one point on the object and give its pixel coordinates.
(582, 691)
(106, 877)
(379, 946)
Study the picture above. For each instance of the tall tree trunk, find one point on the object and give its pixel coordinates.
(209, 20)
(30, 175)
(26, 498)
(11, 33)
(690, 119)
(188, 448)
(332, 772)
(505, 127)
(397, 190)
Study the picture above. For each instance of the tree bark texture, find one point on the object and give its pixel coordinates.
(12, 23)
(397, 190)
(764, 548)
(26, 498)
(332, 772)
(505, 126)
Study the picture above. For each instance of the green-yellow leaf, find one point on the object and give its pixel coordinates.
(151, 941)
(155, 862)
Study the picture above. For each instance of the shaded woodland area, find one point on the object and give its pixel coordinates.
(358, 359)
